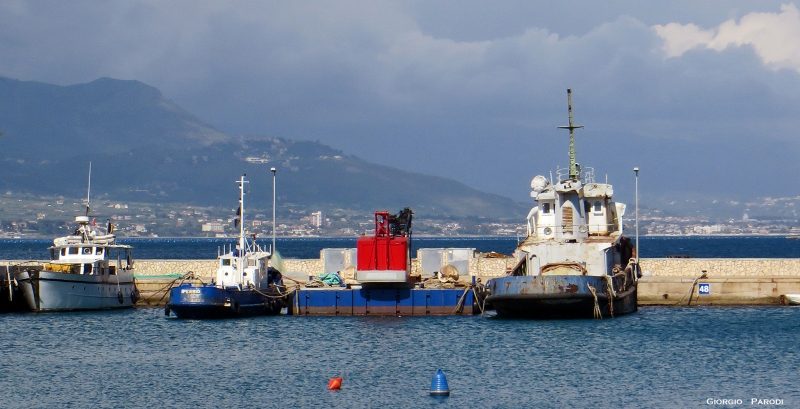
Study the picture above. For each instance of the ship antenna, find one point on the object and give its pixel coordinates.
(574, 168)
(89, 188)
(242, 242)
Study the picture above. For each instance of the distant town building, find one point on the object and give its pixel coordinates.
(318, 219)
(215, 227)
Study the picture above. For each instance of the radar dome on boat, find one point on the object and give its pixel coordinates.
(539, 183)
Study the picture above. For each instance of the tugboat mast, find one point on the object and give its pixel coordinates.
(574, 167)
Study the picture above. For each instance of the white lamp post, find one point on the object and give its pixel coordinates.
(638, 251)
(273, 209)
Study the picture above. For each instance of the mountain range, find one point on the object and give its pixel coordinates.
(144, 148)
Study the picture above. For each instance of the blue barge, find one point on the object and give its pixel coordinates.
(384, 301)
(386, 286)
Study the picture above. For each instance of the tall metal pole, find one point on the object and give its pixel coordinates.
(574, 171)
(273, 208)
(638, 250)
(242, 244)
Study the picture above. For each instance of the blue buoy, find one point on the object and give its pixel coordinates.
(439, 384)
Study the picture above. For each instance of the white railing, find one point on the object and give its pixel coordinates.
(586, 176)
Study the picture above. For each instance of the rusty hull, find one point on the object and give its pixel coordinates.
(567, 296)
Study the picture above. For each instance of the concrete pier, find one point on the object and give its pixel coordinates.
(665, 281)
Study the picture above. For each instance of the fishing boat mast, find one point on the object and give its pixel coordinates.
(574, 167)
(240, 214)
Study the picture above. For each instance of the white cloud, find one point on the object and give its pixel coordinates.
(775, 37)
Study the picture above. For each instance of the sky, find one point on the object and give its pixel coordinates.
(702, 96)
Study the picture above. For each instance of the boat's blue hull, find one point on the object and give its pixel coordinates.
(384, 301)
(562, 296)
(209, 301)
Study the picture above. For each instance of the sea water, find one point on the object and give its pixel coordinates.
(657, 358)
(660, 357)
(305, 248)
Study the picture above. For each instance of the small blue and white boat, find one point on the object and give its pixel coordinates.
(245, 283)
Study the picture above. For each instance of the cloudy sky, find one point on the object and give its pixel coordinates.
(703, 96)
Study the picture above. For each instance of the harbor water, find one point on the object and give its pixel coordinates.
(305, 248)
(657, 358)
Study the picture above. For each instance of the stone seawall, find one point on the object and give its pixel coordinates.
(665, 281)
(486, 268)
(721, 267)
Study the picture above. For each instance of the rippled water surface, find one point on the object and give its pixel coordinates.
(658, 357)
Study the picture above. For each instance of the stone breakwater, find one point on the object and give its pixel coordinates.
(486, 268)
(665, 281)
(721, 267)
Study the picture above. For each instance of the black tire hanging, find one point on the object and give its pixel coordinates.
(120, 297)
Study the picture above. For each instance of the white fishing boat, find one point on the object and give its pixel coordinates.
(87, 270)
(792, 299)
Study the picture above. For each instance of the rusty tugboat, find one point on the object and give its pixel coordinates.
(575, 262)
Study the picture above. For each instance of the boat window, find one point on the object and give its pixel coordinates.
(73, 250)
(587, 206)
(597, 207)
(63, 252)
(226, 261)
(52, 254)
(87, 269)
(251, 263)
(87, 250)
(98, 250)
(521, 269)
(545, 207)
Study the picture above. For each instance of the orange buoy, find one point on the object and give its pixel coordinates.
(335, 383)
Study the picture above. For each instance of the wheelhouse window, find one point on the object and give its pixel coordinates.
(598, 207)
(98, 250)
(226, 261)
(64, 252)
(521, 268)
(87, 250)
(73, 250)
(545, 208)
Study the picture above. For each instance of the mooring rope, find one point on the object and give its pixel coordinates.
(480, 306)
(280, 294)
(166, 288)
(460, 304)
(597, 313)
(691, 289)
(611, 293)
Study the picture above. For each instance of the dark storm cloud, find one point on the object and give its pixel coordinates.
(468, 90)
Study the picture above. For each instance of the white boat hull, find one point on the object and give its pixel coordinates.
(50, 291)
(792, 299)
